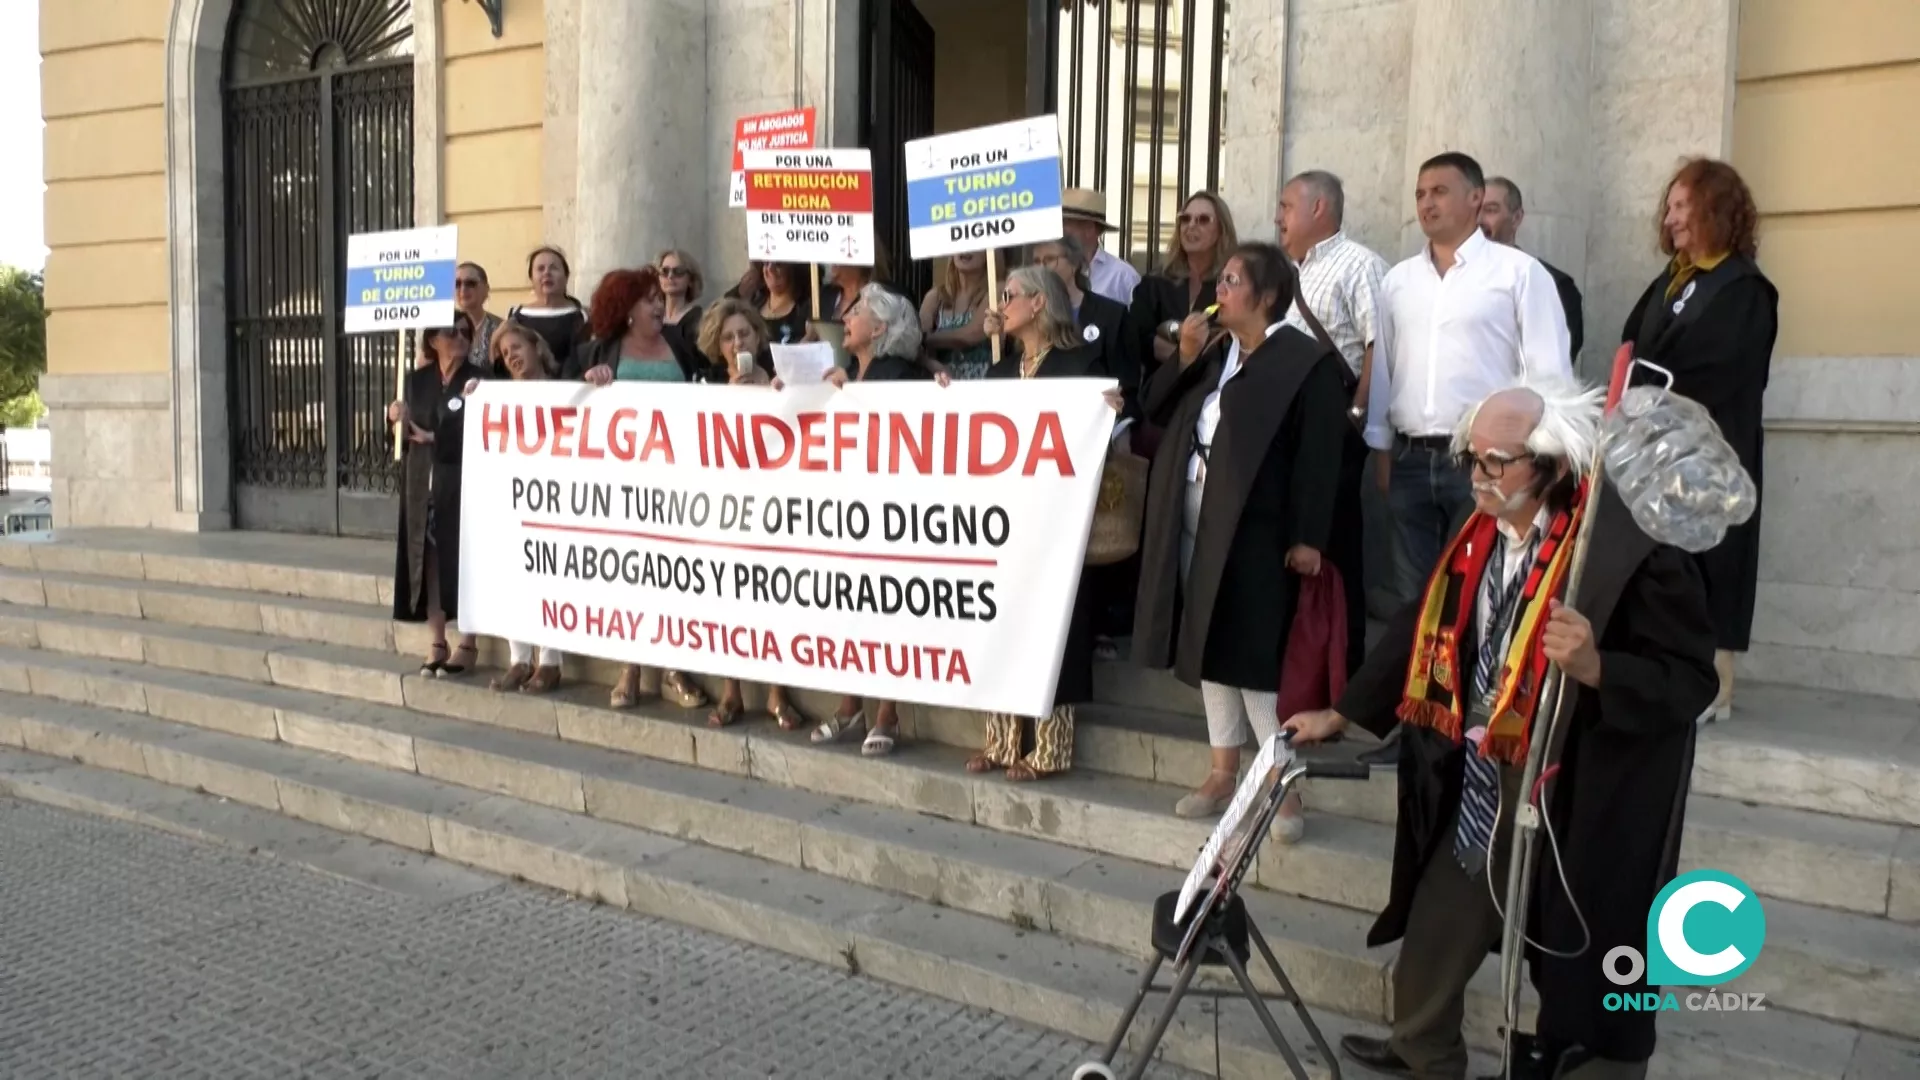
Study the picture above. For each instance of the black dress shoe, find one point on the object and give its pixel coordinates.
(1374, 1054)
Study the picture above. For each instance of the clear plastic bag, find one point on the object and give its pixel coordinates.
(1666, 458)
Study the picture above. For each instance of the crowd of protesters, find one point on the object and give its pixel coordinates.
(1259, 378)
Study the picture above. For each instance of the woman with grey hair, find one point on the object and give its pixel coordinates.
(1037, 317)
(883, 337)
(1100, 321)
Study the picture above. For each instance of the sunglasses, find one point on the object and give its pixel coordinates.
(1195, 219)
(675, 272)
(465, 283)
(1008, 296)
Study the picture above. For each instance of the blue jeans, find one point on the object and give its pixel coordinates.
(1431, 498)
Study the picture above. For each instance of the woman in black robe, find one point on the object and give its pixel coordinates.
(1184, 284)
(1710, 318)
(1242, 500)
(1043, 343)
(554, 314)
(426, 574)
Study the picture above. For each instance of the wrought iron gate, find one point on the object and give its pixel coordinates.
(896, 85)
(319, 133)
(1141, 93)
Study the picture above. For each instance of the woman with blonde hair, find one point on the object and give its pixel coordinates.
(953, 314)
(1202, 240)
(682, 282)
(1043, 342)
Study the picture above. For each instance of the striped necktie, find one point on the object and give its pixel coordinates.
(1480, 783)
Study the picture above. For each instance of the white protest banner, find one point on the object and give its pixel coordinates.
(400, 280)
(902, 541)
(788, 129)
(810, 206)
(991, 187)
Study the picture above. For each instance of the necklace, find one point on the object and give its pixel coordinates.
(1028, 367)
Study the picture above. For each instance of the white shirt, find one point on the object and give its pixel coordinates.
(1113, 277)
(1209, 422)
(1514, 565)
(1450, 341)
(1341, 281)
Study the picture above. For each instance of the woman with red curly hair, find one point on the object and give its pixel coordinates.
(628, 317)
(1710, 318)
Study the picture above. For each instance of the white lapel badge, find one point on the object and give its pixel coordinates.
(1090, 334)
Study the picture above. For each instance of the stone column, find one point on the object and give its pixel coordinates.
(642, 177)
(1510, 83)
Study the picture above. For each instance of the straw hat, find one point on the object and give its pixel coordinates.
(1086, 205)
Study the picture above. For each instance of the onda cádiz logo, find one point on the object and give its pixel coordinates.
(1705, 928)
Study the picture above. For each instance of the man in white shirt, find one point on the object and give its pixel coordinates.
(1083, 214)
(1460, 319)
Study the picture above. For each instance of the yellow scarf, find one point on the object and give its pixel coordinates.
(1684, 270)
(1435, 684)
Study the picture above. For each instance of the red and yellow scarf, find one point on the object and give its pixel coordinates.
(1435, 681)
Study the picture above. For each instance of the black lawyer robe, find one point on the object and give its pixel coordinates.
(430, 476)
(1075, 684)
(1103, 328)
(1273, 481)
(1617, 806)
(1157, 300)
(1719, 347)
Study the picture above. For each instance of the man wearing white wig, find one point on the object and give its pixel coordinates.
(1463, 667)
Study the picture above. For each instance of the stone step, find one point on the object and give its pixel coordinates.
(1790, 854)
(1032, 972)
(1328, 877)
(1783, 747)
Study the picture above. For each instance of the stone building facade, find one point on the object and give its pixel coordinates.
(604, 126)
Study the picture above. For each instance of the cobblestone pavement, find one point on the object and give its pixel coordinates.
(126, 952)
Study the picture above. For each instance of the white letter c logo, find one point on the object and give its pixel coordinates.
(1673, 935)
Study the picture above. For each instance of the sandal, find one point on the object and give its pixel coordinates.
(1023, 773)
(676, 689)
(627, 690)
(451, 669)
(788, 717)
(835, 727)
(544, 680)
(981, 763)
(513, 678)
(879, 742)
(724, 714)
(436, 659)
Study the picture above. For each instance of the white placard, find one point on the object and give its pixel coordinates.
(810, 206)
(902, 541)
(991, 187)
(1276, 754)
(803, 364)
(400, 280)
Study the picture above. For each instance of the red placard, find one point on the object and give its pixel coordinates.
(843, 192)
(789, 129)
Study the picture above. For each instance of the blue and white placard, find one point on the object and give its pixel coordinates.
(991, 187)
(400, 280)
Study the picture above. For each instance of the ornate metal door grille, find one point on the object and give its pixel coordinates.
(896, 85)
(1141, 88)
(319, 131)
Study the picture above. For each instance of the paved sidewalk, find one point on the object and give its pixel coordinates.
(126, 952)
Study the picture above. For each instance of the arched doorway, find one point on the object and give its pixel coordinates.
(318, 106)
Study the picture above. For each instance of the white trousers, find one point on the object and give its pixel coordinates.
(1231, 711)
(522, 653)
(1190, 524)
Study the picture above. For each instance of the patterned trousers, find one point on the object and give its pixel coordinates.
(1052, 741)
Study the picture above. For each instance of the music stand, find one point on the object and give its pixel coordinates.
(1219, 930)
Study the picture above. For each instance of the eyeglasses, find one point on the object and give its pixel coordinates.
(674, 271)
(1232, 280)
(1195, 219)
(1492, 463)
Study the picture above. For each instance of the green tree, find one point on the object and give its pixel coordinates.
(23, 345)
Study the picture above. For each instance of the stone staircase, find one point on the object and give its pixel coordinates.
(265, 670)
